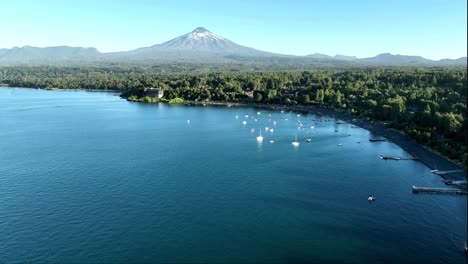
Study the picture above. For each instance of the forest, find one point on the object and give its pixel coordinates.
(427, 104)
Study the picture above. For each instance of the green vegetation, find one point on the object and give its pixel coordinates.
(428, 104)
(176, 101)
(144, 99)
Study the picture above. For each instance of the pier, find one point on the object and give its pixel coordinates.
(438, 190)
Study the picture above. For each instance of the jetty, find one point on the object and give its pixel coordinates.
(438, 172)
(438, 190)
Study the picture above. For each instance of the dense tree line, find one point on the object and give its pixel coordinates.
(428, 104)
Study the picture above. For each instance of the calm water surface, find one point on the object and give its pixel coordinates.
(88, 177)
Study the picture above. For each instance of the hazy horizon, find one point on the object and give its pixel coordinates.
(431, 29)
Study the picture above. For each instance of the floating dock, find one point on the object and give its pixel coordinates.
(446, 172)
(385, 157)
(376, 139)
(438, 190)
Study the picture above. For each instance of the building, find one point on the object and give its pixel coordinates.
(154, 92)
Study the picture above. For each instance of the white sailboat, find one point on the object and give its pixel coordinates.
(295, 143)
(244, 123)
(260, 137)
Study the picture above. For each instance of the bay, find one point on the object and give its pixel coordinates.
(86, 177)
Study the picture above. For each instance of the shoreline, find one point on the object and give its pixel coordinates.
(430, 158)
(68, 90)
(425, 155)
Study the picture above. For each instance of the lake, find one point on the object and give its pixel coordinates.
(87, 177)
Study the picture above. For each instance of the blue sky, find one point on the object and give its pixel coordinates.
(434, 29)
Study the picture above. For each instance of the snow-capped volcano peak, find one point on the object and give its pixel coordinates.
(201, 33)
(200, 30)
(198, 41)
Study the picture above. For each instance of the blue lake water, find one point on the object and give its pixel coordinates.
(86, 177)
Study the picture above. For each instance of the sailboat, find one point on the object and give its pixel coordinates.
(260, 137)
(295, 143)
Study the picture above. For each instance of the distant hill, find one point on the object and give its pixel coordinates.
(200, 45)
(344, 57)
(387, 58)
(29, 54)
(319, 56)
(328, 57)
(461, 61)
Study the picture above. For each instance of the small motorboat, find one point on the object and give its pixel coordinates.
(244, 123)
(448, 182)
(308, 140)
(371, 198)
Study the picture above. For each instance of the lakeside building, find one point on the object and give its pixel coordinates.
(154, 92)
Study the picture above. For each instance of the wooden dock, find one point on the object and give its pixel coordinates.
(438, 190)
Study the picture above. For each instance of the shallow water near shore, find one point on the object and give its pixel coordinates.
(87, 177)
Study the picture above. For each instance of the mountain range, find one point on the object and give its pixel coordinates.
(198, 45)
